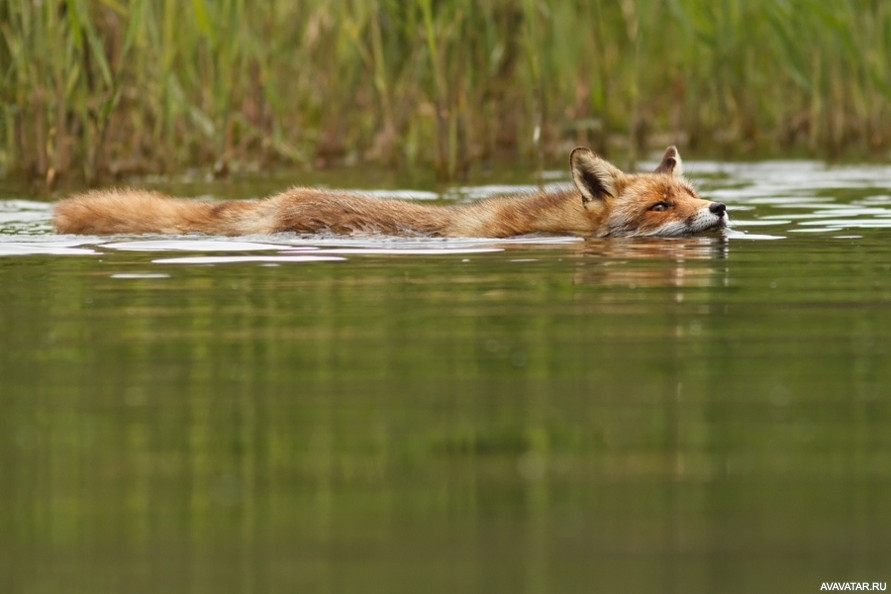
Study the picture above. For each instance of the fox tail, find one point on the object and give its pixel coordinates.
(109, 212)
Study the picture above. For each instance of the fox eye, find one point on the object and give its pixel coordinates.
(660, 206)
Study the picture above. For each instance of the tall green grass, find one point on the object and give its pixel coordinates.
(94, 87)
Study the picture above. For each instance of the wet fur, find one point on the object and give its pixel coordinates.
(603, 202)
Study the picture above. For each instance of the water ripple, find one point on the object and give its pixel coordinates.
(242, 259)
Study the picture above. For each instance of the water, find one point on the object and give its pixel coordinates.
(284, 414)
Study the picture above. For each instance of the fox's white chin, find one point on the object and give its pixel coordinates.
(701, 223)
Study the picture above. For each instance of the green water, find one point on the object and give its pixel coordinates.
(698, 415)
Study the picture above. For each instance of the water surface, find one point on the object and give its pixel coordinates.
(296, 414)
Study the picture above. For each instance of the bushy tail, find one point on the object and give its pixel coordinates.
(109, 212)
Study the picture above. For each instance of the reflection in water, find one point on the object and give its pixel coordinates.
(654, 262)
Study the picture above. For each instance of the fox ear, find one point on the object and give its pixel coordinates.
(671, 162)
(594, 177)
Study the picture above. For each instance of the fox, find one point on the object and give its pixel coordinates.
(602, 201)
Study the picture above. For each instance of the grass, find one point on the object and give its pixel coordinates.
(110, 87)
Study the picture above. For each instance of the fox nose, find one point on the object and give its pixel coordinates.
(717, 208)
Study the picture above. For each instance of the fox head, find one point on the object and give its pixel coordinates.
(661, 203)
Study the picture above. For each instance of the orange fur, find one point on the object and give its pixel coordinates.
(603, 202)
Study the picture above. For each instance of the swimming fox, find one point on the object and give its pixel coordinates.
(603, 202)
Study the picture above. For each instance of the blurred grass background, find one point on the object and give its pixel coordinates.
(96, 88)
